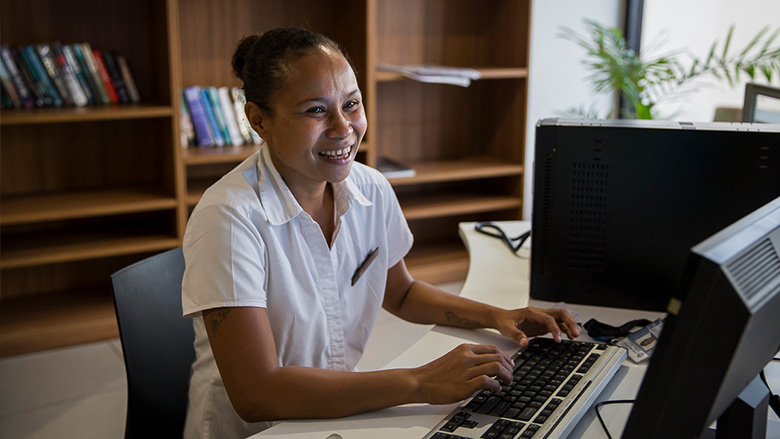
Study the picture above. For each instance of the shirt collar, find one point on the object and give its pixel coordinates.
(280, 205)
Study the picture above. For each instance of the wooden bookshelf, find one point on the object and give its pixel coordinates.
(87, 191)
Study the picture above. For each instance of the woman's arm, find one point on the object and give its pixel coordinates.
(261, 390)
(419, 302)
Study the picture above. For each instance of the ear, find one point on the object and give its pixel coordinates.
(257, 119)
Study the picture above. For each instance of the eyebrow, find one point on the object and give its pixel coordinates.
(322, 99)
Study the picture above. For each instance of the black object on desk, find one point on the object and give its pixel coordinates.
(618, 204)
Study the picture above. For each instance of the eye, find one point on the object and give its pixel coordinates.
(316, 110)
(352, 105)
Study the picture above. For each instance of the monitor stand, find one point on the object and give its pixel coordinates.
(746, 417)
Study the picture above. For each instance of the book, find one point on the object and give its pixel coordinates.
(79, 97)
(393, 169)
(200, 122)
(230, 115)
(105, 78)
(8, 86)
(127, 77)
(52, 95)
(78, 72)
(187, 135)
(42, 99)
(116, 77)
(219, 115)
(25, 95)
(247, 132)
(208, 108)
(84, 54)
(55, 74)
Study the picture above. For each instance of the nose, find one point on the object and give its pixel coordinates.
(339, 126)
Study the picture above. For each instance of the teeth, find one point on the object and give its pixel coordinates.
(339, 153)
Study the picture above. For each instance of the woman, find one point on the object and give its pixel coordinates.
(281, 311)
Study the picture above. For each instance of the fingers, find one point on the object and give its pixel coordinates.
(490, 361)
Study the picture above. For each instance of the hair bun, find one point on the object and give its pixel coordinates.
(241, 54)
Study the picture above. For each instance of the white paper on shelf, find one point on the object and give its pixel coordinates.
(459, 76)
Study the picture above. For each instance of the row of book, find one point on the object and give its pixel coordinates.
(59, 75)
(214, 116)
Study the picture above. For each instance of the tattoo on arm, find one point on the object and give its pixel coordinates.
(462, 322)
(216, 318)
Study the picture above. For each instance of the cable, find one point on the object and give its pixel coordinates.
(598, 413)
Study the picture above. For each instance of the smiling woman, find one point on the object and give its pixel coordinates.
(290, 256)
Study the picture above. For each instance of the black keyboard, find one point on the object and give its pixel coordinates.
(545, 374)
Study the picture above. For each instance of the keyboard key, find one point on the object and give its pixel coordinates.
(527, 414)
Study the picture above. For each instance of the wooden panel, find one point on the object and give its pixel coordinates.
(420, 122)
(50, 321)
(463, 33)
(53, 158)
(437, 264)
(206, 55)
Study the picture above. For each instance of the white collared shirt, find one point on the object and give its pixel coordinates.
(249, 243)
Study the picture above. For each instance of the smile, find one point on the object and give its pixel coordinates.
(337, 154)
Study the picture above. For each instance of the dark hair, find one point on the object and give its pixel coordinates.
(259, 60)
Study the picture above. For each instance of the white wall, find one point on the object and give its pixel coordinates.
(557, 77)
(694, 25)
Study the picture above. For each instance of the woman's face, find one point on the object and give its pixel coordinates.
(318, 120)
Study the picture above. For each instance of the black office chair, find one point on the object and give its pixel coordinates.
(157, 343)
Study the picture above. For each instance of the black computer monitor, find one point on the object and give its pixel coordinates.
(722, 329)
(762, 104)
(618, 204)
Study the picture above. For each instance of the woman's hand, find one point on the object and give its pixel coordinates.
(463, 371)
(520, 324)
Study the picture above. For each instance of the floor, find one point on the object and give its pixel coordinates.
(80, 391)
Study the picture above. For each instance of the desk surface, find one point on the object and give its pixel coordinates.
(498, 278)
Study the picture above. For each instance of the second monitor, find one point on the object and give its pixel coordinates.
(618, 204)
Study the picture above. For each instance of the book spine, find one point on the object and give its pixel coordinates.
(76, 93)
(199, 118)
(105, 78)
(249, 134)
(230, 115)
(90, 73)
(48, 89)
(116, 77)
(209, 109)
(187, 135)
(81, 78)
(25, 95)
(38, 92)
(219, 115)
(132, 91)
(55, 74)
(8, 85)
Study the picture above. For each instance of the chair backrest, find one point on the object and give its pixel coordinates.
(157, 343)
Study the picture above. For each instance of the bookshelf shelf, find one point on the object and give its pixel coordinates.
(472, 168)
(56, 319)
(84, 114)
(221, 154)
(485, 74)
(79, 246)
(70, 205)
(87, 191)
(437, 205)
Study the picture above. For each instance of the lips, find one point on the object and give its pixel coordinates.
(337, 154)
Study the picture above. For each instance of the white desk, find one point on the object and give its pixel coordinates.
(498, 278)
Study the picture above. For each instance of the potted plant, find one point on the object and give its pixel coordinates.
(646, 82)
